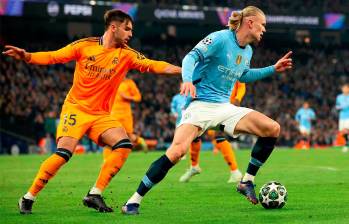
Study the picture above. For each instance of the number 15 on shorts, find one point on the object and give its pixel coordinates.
(69, 119)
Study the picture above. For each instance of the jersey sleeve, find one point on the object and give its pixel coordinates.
(209, 46)
(313, 115)
(143, 64)
(298, 116)
(338, 104)
(135, 93)
(63, 55)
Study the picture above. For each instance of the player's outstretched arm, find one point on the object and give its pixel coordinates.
(63, 55)
(283, 64)
(143, 64)
(17, 53)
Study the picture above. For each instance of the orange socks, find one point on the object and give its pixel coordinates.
(47, 170)
(106, 152)
(111, 166)
(228, 154)
(195, 148)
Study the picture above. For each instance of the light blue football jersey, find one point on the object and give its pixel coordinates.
(342, 104)
(221, 63)
(177, 106)
(304, 117)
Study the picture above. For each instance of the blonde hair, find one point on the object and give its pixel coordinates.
(236, 17)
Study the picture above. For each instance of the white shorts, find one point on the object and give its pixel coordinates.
(304, 130)
(343, 124)
(212, 115)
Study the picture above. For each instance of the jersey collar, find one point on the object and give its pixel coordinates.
(236, 40)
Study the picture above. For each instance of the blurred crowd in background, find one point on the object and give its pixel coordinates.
(304, 6)
(32, 95)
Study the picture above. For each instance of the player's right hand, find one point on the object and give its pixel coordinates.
(187, 88)
(17, 53)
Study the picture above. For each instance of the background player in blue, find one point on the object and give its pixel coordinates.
(342, 104)
(209, 73)
(304, 116)
(177, 106)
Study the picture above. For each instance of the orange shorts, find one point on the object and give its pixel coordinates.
(126, 121)
(75, 123)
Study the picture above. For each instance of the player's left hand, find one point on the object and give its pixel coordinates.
(284, 63)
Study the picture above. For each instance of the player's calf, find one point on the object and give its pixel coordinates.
(47, 170)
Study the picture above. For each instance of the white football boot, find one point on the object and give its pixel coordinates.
(192, 171)
(235, 176)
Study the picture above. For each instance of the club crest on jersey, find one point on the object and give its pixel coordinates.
(207, 41)
(238, 59)
(92, 58)
(115, 61)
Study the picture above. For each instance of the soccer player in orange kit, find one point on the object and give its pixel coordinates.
(219, 142)
(101, 65)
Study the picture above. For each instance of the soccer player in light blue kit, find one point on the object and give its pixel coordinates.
(304, 116)
(209, 72)
(342, 104)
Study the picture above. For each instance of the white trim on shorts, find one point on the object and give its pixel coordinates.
(343, 124)
(304, 130)
(208, 115)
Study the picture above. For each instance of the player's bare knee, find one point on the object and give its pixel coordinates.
(178, 149)
(274, 130)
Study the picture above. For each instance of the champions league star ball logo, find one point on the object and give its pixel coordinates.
(207, 41)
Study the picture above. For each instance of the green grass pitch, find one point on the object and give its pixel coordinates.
(317, 182)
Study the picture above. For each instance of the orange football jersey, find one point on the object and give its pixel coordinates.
(98, 71)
